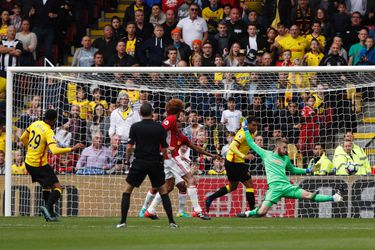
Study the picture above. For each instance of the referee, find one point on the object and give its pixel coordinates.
(147, 136)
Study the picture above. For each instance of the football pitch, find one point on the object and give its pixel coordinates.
(219, 233)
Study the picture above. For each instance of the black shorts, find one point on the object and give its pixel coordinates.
(237, 171)
(43, 175)
(139, 170)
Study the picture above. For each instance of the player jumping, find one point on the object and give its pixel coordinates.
(276, 163)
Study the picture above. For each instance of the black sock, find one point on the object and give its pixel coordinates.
(125, 203)
(45, 195)
(52, 199)
(167, 207)
(221, 192)
(250, 197)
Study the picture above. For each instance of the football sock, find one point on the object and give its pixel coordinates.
(250, 197)
(45, 194)
(322, 198)
(167, 207)
(149, 197)
(222, 191)
(181, 202)
(192, 192)
(125, 203)
(152, 208)
(53, 198)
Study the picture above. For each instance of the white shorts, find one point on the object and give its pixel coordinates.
(176, 168)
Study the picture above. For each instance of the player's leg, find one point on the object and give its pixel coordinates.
(151, 210)
(149, 198)
(193, 194)
(233, 178)
(320, 197)
(182, 195)
(250, 197)
(46, 191)
(272, 197)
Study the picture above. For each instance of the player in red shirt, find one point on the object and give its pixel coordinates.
(309, 134)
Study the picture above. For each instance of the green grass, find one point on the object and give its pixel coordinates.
(219, 233)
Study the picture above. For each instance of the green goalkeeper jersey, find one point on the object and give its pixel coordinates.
(275, 164)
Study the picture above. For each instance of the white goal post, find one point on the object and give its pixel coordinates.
(356, 82)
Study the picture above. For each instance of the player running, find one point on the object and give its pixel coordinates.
(178, 168)
(38, 138)
(276, 163)
(237, 170)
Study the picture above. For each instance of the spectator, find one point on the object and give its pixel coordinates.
(290, 122)
(97, 98)
(157, 16)
(122, 118)
(132, 41)
(222, 40)
(84, 56)
(99, 123)
(236, 27)
(16, 19)
(63, 137)
(252, 43)
(217, 167)
(169, 25)
(317, 35)
(333, 58)
(225, 148)
(350, 35)
(98, 59)
(341, 20)
(314, 56)
(18, 167)
(5, 22)
(276, 135)
(82, 102)
(356, 49)
(117, 156)
(193, 27)
(326, 27)
(259, 111)
(2, 162)
(95, 159)
(143, 98)
(106, 44)
(213, 14)
(183, 50)
(356, 6)
(230, 59)
(342, 52)
(29, 42)
(191, 131)
(344, 159)
(285, 56)
(367, 55)
(208, 57)
(295, 43)
(172, 60)
(10, 51)
(62, 164)
(282, 32)
(121, 58)
(302, 16)
(320, 161)
(310, 128)
(151, 53)
(44, 15)
(137, 5)
(74, 124)
(227, 8)
(144, 30)
(231, 117)
(117, 29)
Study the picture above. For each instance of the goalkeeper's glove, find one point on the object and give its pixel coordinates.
(244, 124)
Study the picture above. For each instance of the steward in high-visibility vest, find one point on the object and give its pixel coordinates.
(344, 157)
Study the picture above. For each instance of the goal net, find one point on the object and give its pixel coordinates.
(279, 97)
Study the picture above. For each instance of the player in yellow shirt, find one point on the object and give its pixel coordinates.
(38, 138)
(237, 170)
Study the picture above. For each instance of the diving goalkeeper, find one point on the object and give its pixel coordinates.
(276, 163)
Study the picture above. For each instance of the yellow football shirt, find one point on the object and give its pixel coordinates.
(313, 59)
(102, 102)
(212, 18)
(19, 169)
(2, 142)
(296, 45)
(240, 142)
(321, 39)
(40, 137)
(84, 107)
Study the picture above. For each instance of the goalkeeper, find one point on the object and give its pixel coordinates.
(276, 163)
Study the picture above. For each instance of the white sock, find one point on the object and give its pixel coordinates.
(192, 192)
(152, 208)
(149, 197)
(181, 202)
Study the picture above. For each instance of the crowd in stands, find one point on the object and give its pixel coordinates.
(190, 33)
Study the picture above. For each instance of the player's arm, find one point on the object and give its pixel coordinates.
(25, 137)
(163, 143)
(56, 150)
(294, 170)
(130, 145)
(200, 150)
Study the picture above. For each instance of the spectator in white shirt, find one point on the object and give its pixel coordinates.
(231, 117)
(193, 27)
